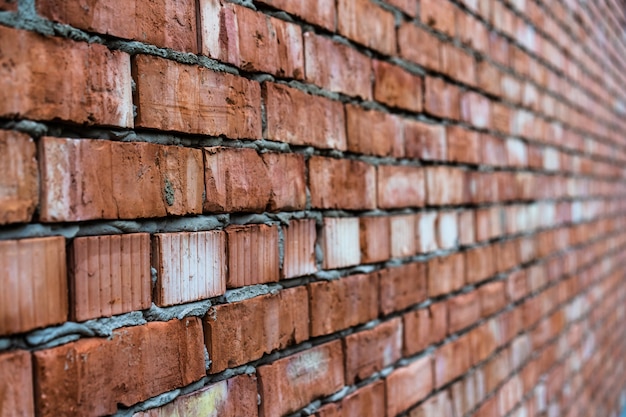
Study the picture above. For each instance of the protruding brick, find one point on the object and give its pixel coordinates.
(232, 397)
(78, 82)
(92, 376)
(407, 6)
(299, 118)
(292, 382)
(34, 284)
(408, 385)
(252, 255)
(16, 384)
(368, 24)
(342, 184)
(396, 87)
(424, 327)
(372, 350)
(342, 303)
(424, 141)
(109, 275)
(240, 332)
(251, 40)
(299, 248)
(446, 274)
(403, 235)
(193, 99)
(400, 186)
(337, 67)
(372, 132)
(19, 179)
(375, 237)
(84, 179)
(402, 287)
(368, 400)
(190, 266)
(321, 13)
(168, 24)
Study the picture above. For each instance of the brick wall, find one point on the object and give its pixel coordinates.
(332, 208)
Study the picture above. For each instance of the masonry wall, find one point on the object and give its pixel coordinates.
(332, 208)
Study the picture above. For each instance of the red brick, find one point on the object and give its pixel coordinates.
(463, 145)
(446, 274)
(396, 87)
(480, 264)
(299, 248)
(401, 287)
(427, 233)
(189, 266)
(193, 99)
(437, 406)
(251, 40)
(441, 98)
(439, 14)
(232, 397)
(19, 179)
(476, 109)
(271, 322)
(489, 78)
(342, 184)
(368, 24)
(372, 350)
(321, 13)
(419, 46)
(168, 23)
(447, 229)
(463, 311)
(403, 235)
(517, 285)
(400, 186)
(373, 132)
(472, 32)
(91, 377)
(424, 141)
(292, 382)
(492, 298)
(452, 360)
(287, 180)
(408, 385)
(342, 303)
(77, 82)
(466, 227)
(424, 327)
(368, 400)
(458, 64)
(16, 385)
(375, 239)
(253, 256)
(298, 118)
(496, 370)
(337, 67)
(340, 242)
(407, 6)
(445, 185)
(8, 5)
(34, 294)
(85, 179)
(109, 275)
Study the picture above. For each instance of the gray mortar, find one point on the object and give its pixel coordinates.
(156, 313)
(29, 127)
(244, 293)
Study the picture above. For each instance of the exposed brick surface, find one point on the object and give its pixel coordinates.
(299, 248)
(253, 256)
(16, 386)
(19, 183)
(408, 385)
(340, 183)
(396, 87)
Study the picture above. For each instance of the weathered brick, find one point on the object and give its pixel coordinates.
(189, 266)
(16, 385)
(236, 396)
(34, 294)
(424, 141)
(372, 350)
(368, 400)
(463, 145)
(192, 99)
(19, 179)
(446, 274)
(480, 264)
(109, 275)
(441, 98)
(402, 287)
(287, 180)
(337, 67)
(403, 235)
(445, 185)
(292, 382)
(447, 230)
(77, 82)
(373, 132)
(85, 179)
(452, 360)
(476, 109)
(437, 406)
(463, 311)
(492, 298)
(340, 242)
(271, 322)
(427, 232)
(251, 40)
(458, 64)
(396, 87)
(368, 24)
(298, 118)
(342, 184)
(342, 303)
(253, 256)
(321, 13)
(164, 23)
(438, 14)
(375, 238)
(299, 248)
(424, 327)
(408, 385)
(90, 377)
(419, 46)
(400, 186)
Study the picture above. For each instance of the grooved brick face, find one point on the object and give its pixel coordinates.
(253, 256)
(19, 179)
(98, 179)
(299, 248)
(92, 376)
(340, 242)
(73, 91)
(16, 385)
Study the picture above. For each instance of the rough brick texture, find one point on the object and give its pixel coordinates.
(330, 208)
